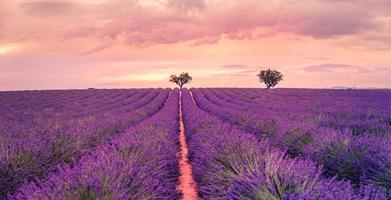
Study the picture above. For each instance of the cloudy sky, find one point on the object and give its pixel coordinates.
(223, 43)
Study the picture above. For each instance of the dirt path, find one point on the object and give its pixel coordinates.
(192, 97)
(186, 184)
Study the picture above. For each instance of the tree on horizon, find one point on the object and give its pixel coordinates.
(270, 77)
(181, 80)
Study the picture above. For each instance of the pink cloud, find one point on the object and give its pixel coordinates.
(133, 24)
(332, 67)
(49, 8)
(77, 38)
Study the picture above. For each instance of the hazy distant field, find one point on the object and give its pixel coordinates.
(242, 143)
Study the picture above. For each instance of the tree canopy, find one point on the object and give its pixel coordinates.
(270, 77)
(182, 79)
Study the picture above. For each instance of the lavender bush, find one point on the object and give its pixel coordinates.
(231, 164)
(39, 144)
(282, 144)
(350, 156)
(138, 164)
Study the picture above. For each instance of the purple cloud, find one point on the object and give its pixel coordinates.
(330, 67)
(43, 8)
(186, 5)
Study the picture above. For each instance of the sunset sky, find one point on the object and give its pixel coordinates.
(62, 44)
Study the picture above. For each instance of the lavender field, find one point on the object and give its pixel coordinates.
(238, 143)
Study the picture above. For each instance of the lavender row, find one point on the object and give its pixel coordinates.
(231, 164)
(36, 100)
(70, 107)
(33, 154)
(360, 111)
(22, 119)
(295, 136)
(266, 123)
(32, 127)
(364, 159)
(141, 163)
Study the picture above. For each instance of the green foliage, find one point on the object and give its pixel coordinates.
(237, 159)
(296, 140)
(82, 194)
(61, 149)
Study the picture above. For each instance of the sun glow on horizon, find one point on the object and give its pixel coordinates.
(223, 43)
(8, 48)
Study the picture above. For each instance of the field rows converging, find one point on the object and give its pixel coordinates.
(237, 100)
(141, 163)
(35, 142)
(357, 153)
(186, 184)
(202, 143)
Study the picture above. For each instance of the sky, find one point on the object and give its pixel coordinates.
(60, 44)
